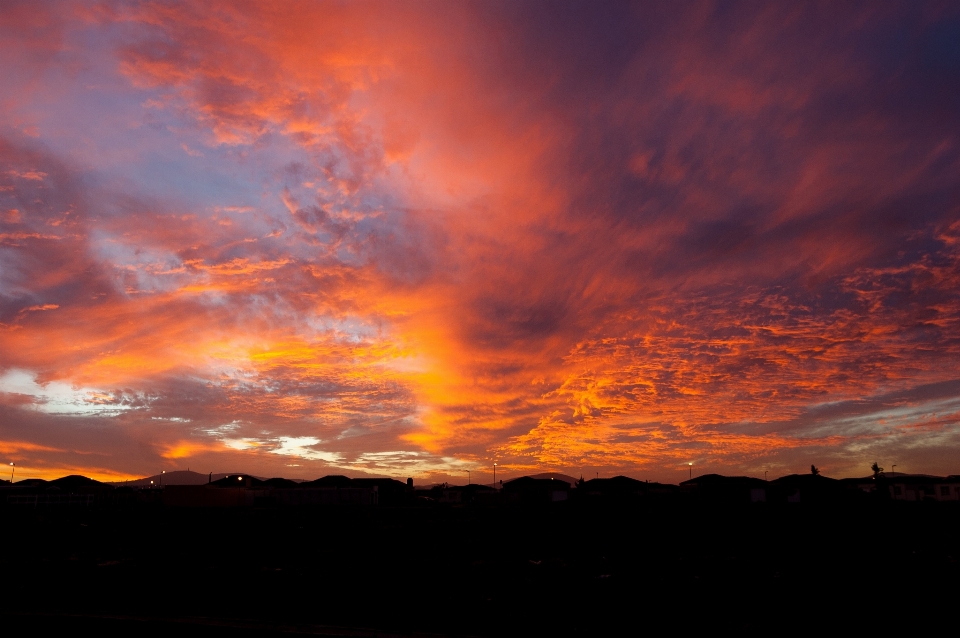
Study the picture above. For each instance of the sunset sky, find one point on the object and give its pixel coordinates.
(415, 239)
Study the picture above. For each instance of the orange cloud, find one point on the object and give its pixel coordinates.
(186, 449)
(445, 236)
(13, 447)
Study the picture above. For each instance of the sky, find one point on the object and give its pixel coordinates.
(417, 239)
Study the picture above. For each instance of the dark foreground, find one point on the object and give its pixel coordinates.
(567, 569)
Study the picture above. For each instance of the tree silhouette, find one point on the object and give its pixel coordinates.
(877, 470)
(815, 470)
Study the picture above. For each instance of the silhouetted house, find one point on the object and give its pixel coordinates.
(569, 480)
(279, 484)
(486, 495)
(73, 490)
(727, 489)
(76, 484)
(208, 496)
(242, 490)
(464, 494)
(528, 491)
(953, 493)
(237, 480)
(270, 496)
(25, 483)
(389, 491)
(234, 490)
(622, 489)
(333, 480)
(662, 490)
(442, 493)
(861, 486)
(317, 496)
(332, 490)
(807, 488)
(340, 490)
(618, 486)
(922, 487)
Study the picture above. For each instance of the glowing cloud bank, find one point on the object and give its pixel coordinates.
(418, 238)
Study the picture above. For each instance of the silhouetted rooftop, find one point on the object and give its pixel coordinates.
(34, 482)
(529, 483)
(334, 480)
(238, 480)
(721, 481)
(557, 476)
(280, 483)
(805, 479)
(918, 478)
(382, 484)
(76, 482)
(473, 487)
(616, 483)
(865, 479)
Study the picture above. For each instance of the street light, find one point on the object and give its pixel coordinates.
(893, 469)
(13, 467)
(494, 476)
(691, 470)
(468, 477)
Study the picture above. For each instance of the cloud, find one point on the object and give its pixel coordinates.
(46, 306)
(412, 240)
(15, 447)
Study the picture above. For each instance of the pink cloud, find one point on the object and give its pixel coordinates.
(473, 237)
